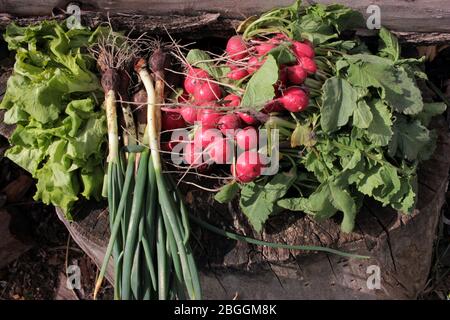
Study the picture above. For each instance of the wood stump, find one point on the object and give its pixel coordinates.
(399, 245)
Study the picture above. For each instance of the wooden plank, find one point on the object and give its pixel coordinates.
(194, 27)
(398, 15)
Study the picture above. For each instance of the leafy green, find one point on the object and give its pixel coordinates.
(283, 54)
(430, 110)
(379, 131)
(339, 103)
(260, 88)
(52, 97)
(303, 136)
(362, 116)
(227, 193)
(411, 140)
(389, 46)
(364, 132)
(258, 200)
(397, 88)
(322, 23)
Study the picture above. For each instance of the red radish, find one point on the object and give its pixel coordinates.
(296, 74)
(277, 38)
(192, 155)
(247, 138)
(294, 99)
(254, 64)
(220, 151)
(233, 65)
(273, 106)
(207, 91)
(189, 114)
(309, 43)
(172, 120)
(264, 48)
(232, 100)
(237, 74)
(229, 122)
(247, 118)
(308, 64)
(208, 117)
(236, 48)
(248, 166)
(195, 77)
(283, 75)
(302, 49)
(204, 136)
(282, 79)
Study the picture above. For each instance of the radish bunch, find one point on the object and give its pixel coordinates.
(247, 58)
(223, 132)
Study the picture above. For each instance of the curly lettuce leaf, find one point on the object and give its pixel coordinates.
(52, 97)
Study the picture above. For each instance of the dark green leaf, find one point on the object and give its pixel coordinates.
(342, 201)
(431, 110)
(397, 87)
(411, 140)
(379, 131)
(260, 88)
(258, 200)
(303, 136)
(283, 54)
(339, 103)
(227, 192)
(362, 116)
(389, 46)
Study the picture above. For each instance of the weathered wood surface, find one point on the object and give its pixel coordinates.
(415, 21)
(401, 15)
(210, 24)
(400, 245)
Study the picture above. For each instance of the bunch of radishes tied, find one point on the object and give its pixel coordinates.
(222, 126)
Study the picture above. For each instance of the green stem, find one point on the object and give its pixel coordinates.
(161, 258)
(135, 217)
(280, 122)
(238, 237)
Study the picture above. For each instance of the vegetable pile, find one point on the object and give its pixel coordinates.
(351, 122)
(53, 98)
(296, 114)
(149, 225)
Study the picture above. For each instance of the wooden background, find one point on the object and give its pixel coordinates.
(399, 15)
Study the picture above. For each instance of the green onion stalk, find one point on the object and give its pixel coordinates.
(178, 257)
(114, 177)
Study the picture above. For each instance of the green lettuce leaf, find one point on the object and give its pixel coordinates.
(52, 97)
